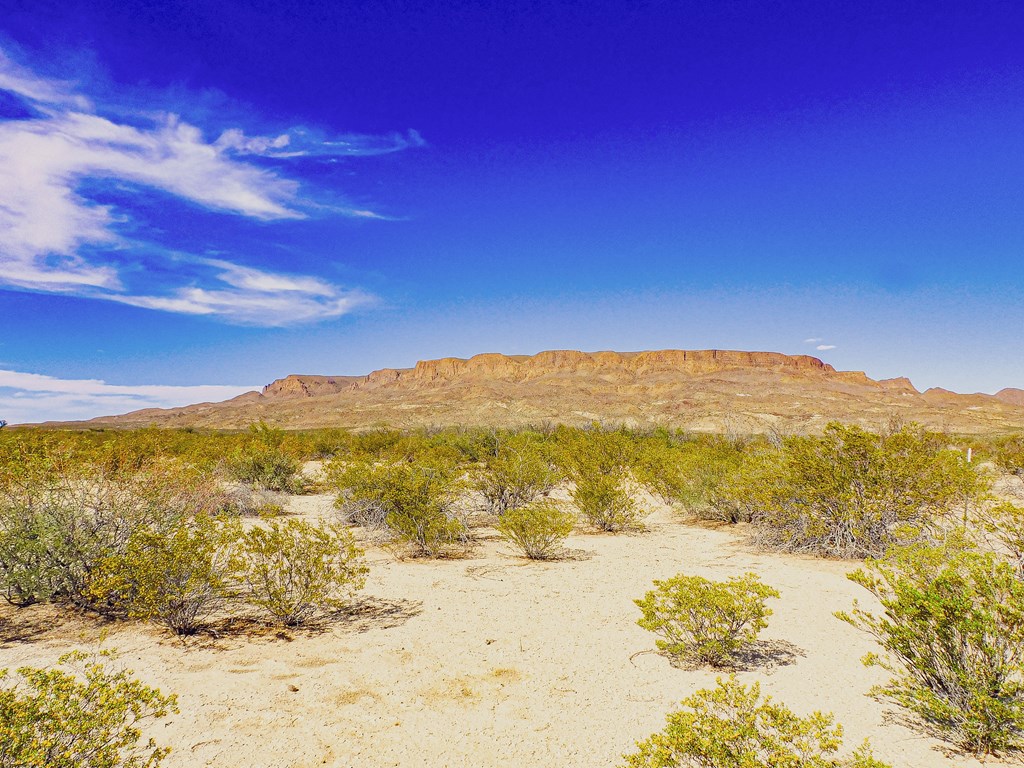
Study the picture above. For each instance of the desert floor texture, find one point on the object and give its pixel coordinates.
(491, 660)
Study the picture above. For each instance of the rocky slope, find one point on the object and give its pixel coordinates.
(710, 390)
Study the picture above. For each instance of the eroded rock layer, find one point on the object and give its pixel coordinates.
(706, 390)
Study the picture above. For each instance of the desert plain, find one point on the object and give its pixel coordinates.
(491, 659)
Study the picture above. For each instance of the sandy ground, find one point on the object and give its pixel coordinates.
(493, 660)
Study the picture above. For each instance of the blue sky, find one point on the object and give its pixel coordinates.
(199, 197)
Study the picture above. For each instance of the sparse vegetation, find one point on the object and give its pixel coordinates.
(538, 529)
(706, 621)
(953, 639)
(145, 524)
(731, 726)
(82, 713)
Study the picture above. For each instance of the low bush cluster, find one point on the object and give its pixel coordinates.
(82, 713)
(851, 493)
(416, 499)
(59, 521)
(599, 465)
(177, 576)
(706, 621)
(538, 529)
(138, 525)
(294, 570)
(519, 471)
(732, 726)
(263, 462)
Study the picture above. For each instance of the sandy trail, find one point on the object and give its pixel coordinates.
(493, 660)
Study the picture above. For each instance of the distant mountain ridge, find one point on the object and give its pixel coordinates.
(705, 390)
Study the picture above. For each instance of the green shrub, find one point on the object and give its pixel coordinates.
(953, 636)
(59, 520)
(295, 570)
(264, 462)
(519, 472)
(1005, 523)
(852, 493)
(599, 465)
(416, 500)
(177, 577)
(706, 621)
(689, 473)
(1009, 454)
(731, 726)
(605, 503)
(266, 467)
(538, 529)
(84, 715)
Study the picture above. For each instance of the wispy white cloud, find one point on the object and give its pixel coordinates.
(824, 347)
(301, 142)
(56, 239)
(812, 341)
(32, 397)
(23, 82)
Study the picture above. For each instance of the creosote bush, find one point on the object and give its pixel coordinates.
(1005, 523)
(176, 577)
(265, 463)
(519, 472)
(706, 621)
(416, 499)
(294, 570)
(60, 519)
(690, 473)
(538, 529)
(80, 714)
(851, 493)
(599, 465)
(953, 639)
(731, 726)
(1009, 454)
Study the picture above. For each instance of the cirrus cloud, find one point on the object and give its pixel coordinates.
(55, 238)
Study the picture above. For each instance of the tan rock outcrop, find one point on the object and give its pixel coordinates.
(899, 384)
(299, 385)
(703, 390)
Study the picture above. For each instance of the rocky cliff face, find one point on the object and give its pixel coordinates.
(518, 368)
(563, 362)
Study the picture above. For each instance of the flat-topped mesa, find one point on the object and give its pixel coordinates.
(518, 367)
(553, 363)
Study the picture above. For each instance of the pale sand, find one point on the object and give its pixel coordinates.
(493, 660)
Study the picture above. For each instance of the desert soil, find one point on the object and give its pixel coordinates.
(491, 660)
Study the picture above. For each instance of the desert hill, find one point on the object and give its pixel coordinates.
(706, 390)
